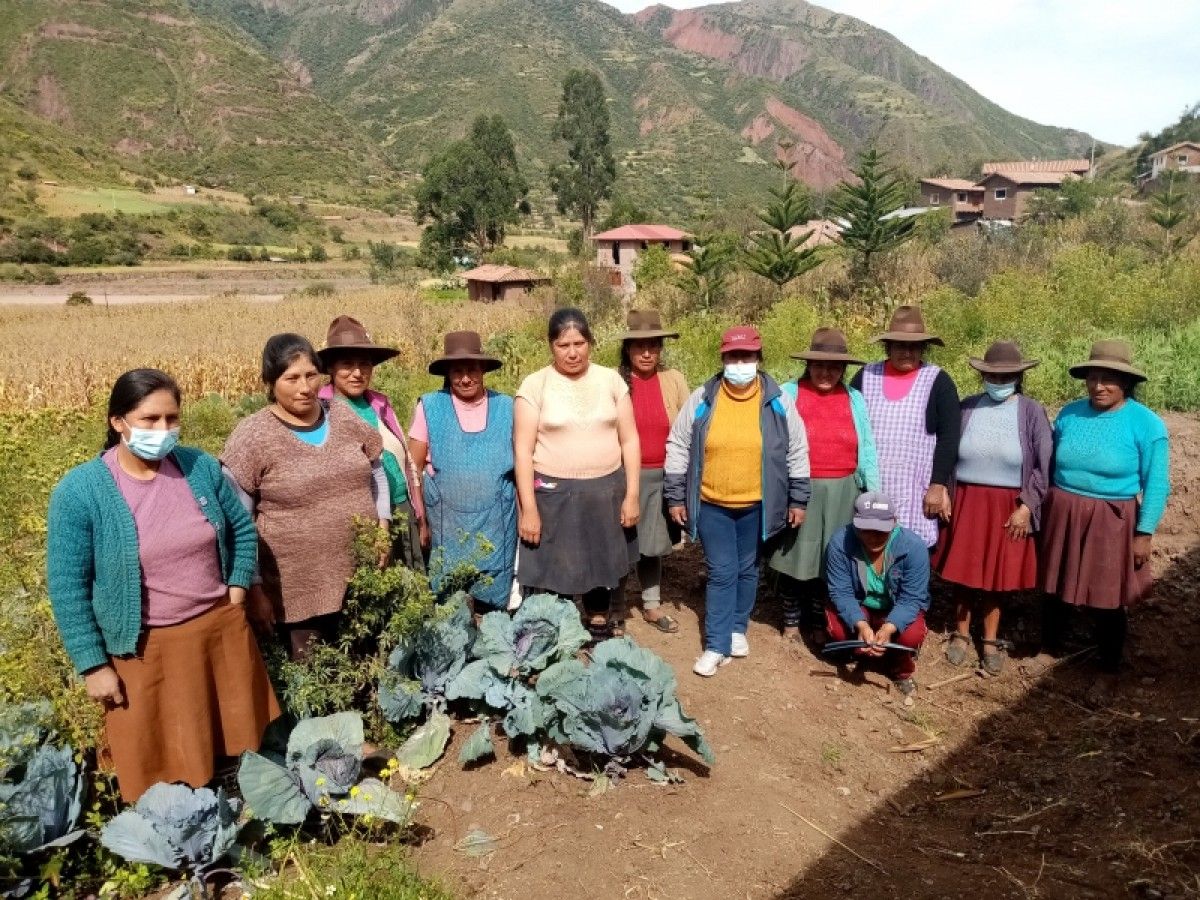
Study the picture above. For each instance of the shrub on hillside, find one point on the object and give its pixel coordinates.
(78, 298)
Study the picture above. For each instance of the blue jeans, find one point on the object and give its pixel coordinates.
(731, 543)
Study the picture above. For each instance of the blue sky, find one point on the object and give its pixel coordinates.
(1113, 68)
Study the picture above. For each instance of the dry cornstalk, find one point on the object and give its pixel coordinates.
(817, 828)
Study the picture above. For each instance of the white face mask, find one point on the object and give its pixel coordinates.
(1000, 392)
(740, 374)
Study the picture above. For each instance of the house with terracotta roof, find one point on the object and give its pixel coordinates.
(963, 198)
(1181, 157)
(618, 248)
(1006, 194)
(1080, 167)
(489, 283)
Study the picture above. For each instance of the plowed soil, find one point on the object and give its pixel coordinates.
(822, 788)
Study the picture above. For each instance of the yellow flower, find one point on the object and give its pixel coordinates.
(354, 791)
(320, 781)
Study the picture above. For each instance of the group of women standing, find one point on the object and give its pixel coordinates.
(163, 559)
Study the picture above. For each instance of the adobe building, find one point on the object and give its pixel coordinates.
(489, 283)
(618, 248)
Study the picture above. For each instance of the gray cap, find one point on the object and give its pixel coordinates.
(874, 511)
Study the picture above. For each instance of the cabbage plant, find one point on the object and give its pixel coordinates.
(620, 705)
(176, 827)
(319, 769)
(423, 664)
(22, 727)
(546, 629)
(41, 809)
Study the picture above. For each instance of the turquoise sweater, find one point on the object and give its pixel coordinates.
(92, 563)
(1114, 456)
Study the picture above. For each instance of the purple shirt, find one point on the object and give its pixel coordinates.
(177, 547)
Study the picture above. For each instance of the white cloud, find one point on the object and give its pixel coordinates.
(1113, 68)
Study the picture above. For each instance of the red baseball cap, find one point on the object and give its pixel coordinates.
(741, 337)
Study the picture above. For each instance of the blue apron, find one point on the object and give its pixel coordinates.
(472, 495)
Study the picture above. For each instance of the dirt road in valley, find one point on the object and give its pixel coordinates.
(1020, 791)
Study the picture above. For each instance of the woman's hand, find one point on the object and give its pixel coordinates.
(1142, 549)
(867, 636)
(104, 684)
(426, 535)
(260, 611)
(530, 526)
(796, 515)
(631, 511)
(236, 595)
(937, 502)
(678, 515)
(1018, 523)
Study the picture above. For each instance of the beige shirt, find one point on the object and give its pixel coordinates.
(577, 421)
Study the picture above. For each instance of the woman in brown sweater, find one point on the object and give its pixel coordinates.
(309, 473)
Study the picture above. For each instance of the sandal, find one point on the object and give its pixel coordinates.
(616, 628)
(993, 663)
(956, 654)
(663, 623)
(598, 627)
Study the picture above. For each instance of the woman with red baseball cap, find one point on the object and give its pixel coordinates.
(736, 474)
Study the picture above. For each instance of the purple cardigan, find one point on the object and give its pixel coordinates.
(383, 409)
(1037, 450)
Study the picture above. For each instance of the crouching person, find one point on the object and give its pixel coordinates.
(878, 580)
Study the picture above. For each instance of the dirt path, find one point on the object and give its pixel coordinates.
(1076, 803)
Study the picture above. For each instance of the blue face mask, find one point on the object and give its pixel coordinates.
(1000, 392)
(741, 374)
(151, 444)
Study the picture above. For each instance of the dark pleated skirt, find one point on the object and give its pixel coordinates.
(583, 545)
(975, 550)
(657, 534)
(1087, 551)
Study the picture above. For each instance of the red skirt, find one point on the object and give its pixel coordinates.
(975, 550)
(1087, 551)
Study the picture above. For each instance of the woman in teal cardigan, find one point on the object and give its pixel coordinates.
(149, 557)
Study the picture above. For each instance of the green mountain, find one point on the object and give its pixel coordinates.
(860, 83)
(163, 90)
(326, 95)
(700, 99)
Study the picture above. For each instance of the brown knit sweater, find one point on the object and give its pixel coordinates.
(307, 499)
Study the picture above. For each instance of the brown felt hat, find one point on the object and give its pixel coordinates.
(348, 337)
(908, 325)
(1116, 356)
(1002, 358)
(643, 324)
(462, 346)
(828, 345)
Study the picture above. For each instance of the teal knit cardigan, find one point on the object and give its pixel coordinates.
(92, 563)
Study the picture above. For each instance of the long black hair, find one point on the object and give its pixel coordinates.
(130, 390)
(280, 351)
(563, 320)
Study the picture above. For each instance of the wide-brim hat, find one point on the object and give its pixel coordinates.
(462, 346)
(908, 325)
(1116, 356)
(346, 337)
(1002, 358)
(828, 345)
(643, 324)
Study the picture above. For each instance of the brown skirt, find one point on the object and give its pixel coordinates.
(1087, 551)
(194, 692)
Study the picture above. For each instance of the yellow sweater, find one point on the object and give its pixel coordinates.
(732, 470)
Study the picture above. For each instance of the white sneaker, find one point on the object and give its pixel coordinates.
(740, 646)
(709, 662)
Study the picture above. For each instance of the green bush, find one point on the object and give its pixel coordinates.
(79, 298)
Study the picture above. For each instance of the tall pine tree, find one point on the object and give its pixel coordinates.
(775, 253)
(863, 209)
(586, 179)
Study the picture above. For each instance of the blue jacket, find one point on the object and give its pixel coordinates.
(867, 474)
(93, 569)
(905, 574)
(785, 481)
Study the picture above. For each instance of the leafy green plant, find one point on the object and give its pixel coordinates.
(422, 665)
(319, 769)
(177, 827)
(620, 705)
(41, 809)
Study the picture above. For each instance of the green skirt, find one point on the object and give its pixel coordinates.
(800, 552)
